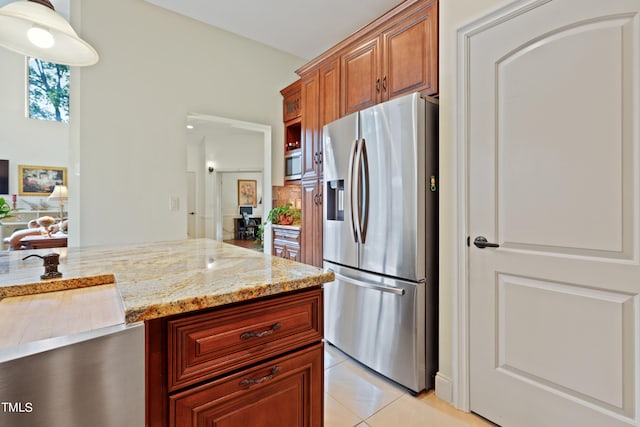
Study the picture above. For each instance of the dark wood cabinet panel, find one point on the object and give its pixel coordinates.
(310, 142)
(207, 345)
(312, 222)
(293, 254)
(326, 80)
(286, 243)
(402, 57)
(329, 92)
(280, 393)
(360, 77)
(410, 55)
(279, 251)
(257, 363)
(292, 102)
(155, 365)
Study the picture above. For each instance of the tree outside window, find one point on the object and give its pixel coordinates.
(48, 91)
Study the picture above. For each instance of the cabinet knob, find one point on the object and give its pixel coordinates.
(378, 85)
(384, 83)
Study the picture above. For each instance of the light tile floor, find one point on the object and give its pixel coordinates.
(357, 397)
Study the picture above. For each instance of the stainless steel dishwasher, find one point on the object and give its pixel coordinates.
(90, 379)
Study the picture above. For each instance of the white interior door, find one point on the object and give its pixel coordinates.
(554, 168)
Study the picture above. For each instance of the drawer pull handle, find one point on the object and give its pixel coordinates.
(249, 335)
(251, 381)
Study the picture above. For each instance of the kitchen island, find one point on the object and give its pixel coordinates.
(228, 332)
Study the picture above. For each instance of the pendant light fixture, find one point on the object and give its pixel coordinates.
(33, 28)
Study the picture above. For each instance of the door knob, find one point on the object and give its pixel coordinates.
(481, 242)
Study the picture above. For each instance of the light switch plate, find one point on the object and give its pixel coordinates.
(175, 204)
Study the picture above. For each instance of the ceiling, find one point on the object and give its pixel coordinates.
(304, 28)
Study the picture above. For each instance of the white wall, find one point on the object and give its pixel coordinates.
(453, 15)
(25, 141)
(155, 67)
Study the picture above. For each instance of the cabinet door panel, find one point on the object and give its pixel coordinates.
(310, 142)
(317, 228)
(329, 93)
(279, 251)
(329, 102)
(410, 55)
(312, 223)
(291, 104)
(280, 393)
(360, 77)
(293, 254)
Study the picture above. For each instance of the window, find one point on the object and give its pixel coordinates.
(48, 91)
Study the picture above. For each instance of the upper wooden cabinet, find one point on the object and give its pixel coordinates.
(410, 55)
(360, 77)
(329, 92)
(402, 58)
(292, 103)
(311, 144)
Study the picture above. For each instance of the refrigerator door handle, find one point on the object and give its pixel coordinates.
(350, 186)
(363, 180)
(368, 285)
(357, 189)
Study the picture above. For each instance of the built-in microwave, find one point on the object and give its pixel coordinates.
(293, 165)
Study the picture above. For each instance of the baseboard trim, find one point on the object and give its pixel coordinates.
(444, 388)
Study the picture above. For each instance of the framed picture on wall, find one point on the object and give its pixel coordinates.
(247, 192)
(40, 180)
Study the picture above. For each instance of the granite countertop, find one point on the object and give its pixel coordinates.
(162, 278)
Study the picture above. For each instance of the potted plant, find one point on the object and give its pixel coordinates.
(260, 237)
(5, 209)
(283, 215)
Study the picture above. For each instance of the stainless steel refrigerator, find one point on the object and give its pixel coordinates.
(380, 238)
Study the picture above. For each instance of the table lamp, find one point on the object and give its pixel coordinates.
(60, 194)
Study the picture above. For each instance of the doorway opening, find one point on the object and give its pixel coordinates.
(240, 220)
(218, 148)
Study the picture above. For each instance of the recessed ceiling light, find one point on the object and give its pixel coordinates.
(189, 126)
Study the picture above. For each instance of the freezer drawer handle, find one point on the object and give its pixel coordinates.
(368, 285)
(249, 335)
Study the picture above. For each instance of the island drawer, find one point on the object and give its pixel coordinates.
(281, 391)
(210, 344)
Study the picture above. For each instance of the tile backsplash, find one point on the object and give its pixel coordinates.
(287, 194)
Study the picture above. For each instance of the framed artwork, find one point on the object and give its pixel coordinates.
(247, 192)
(40, 180)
